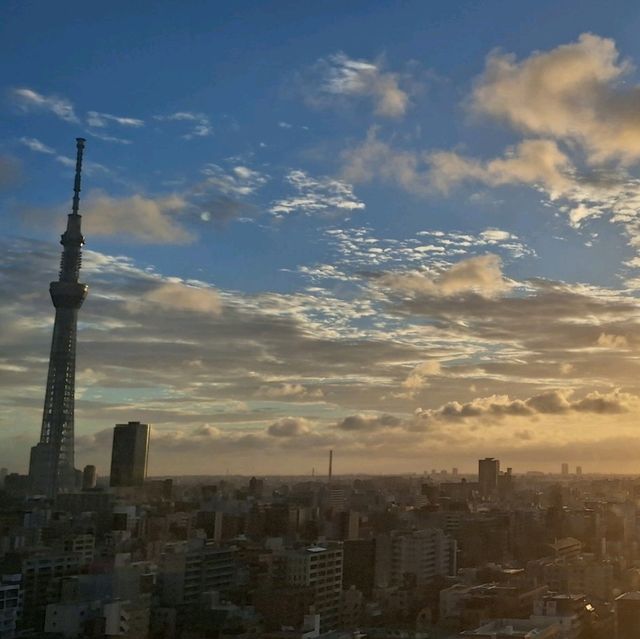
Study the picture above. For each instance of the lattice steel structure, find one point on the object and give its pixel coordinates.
(51, 468)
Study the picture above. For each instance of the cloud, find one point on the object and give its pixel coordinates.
(36, 145)
(289, 427)
(573, 92)
(178, 296)
(529, 162)
(375, 159)
(553, 402)
(481, 275)
(136, 217)
(316, 195)
(29, 100)
(289, 391)
(200, 124)
(418, 378)
(362, 422)
(612, 341)
(101, 120)
(347, 77)
(238, 181)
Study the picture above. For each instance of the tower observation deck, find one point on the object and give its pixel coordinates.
(51, 466)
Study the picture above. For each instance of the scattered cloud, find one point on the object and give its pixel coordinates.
(36, 145)
(339, 77)
(316, 195)
(179, 296)
(289, 391)
(101, 120)
(481, 275)
(289, 427)
(199, 123)
(547, 403)
(30, 100)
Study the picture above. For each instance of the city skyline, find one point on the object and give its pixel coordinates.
(412, 257)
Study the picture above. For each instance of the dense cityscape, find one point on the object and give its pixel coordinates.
(352, 349)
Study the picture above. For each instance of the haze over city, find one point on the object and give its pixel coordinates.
(405, 232)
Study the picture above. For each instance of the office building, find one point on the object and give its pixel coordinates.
(129, 454)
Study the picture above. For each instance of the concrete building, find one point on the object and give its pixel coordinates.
(419, 554)
(10, 604)
(319, 567)
(73, 620)
(569, 612)
(488, 473)
(189, 569)
(129, 454)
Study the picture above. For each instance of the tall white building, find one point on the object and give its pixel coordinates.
(321, 568)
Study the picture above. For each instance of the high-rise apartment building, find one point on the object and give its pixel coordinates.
(564, 469)
(129, 454)
(51, 465)
(319, 567)
(488, 473)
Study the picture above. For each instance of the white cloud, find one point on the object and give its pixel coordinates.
(101, 120)
(143, 219)
(237, 181)
(342, 77)
(573, 93)
(316, 195)
(200, 124)
(179, 296)
(36, 145)
(28, 99)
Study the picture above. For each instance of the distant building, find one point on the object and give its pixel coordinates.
(89, 477)
(488, 473)
(578, 471)
(129, 454)
(420, 555)
(565, 469)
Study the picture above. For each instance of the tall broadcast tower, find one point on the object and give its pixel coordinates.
(51, 466)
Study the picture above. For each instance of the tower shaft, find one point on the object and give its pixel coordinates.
(52, 468)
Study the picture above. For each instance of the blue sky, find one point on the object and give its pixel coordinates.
(388, 223)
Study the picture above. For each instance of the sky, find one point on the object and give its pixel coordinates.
(405, 231)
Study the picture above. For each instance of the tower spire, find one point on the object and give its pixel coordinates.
(51, 467)
(76, 183)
